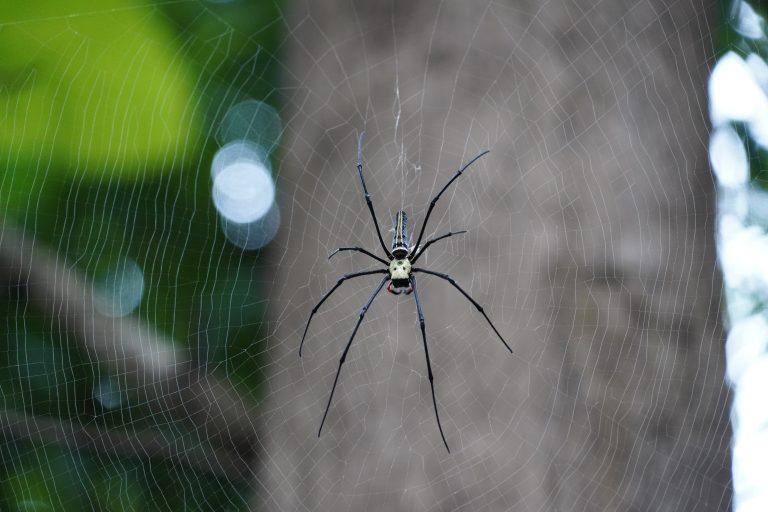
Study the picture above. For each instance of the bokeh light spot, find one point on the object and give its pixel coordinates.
(108, 393)
(243, 192)
(121, 288)
(254, 121)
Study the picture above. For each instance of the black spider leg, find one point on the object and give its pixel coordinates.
(358, 249)
(473, 301)
(433, 240)
(426, 353)
(338, 283)
(346, 349)
(368, 196)
(434, 200)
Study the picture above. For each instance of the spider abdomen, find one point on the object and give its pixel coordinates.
(400, 238)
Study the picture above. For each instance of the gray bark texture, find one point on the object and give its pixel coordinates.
(590, 245)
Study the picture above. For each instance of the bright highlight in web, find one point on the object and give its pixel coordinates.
(243, 186)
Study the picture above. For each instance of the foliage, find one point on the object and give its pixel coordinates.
(109, 113)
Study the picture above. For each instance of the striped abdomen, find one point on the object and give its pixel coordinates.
(400, 240)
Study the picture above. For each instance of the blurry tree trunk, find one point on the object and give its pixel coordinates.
(591, 245)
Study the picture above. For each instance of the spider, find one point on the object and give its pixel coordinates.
(399, 271)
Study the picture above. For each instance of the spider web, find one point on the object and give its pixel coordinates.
(589, 243)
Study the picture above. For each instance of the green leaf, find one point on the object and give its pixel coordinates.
(116, 489)
(96, 88)
(44, 479)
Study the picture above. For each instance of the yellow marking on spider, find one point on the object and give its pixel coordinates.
(399, 269)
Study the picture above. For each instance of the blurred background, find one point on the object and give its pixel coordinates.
(175, 175)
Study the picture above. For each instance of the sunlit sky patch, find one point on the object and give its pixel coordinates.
(743, 253)
(746, 21)
(737, 94)
(728, 157)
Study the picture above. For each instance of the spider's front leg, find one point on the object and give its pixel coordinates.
(358, 249)
(418, 252)
(433, 202)
(367, 195)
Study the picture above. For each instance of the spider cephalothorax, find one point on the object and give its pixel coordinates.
(400, 276)
(399, 272)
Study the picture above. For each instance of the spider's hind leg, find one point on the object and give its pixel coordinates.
(478, 307)
(330, 292)
(426, 354)
(346, 350)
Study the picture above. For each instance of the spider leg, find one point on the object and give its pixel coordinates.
(338, 283)
(358, 249)
(426, 353)
(367, 195)
(473, 301)
(433, 240)
(434, 200)
(346, 349)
